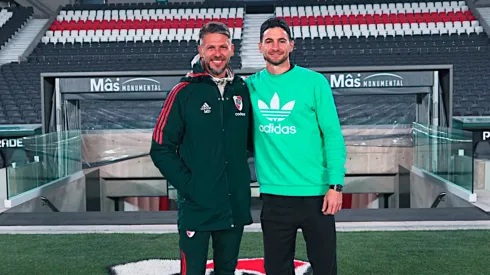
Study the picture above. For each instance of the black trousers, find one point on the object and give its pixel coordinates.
(281, 217)
(194, 251)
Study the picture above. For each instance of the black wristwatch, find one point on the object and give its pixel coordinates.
(337, 187)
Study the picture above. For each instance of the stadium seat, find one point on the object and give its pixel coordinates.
(137, 27)
(379, 20)
(5, 15)
(11, 20)
(162, 34)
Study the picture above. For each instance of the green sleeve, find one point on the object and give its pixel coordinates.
(328, 121)
(167, 136)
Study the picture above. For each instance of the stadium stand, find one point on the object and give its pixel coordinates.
(116, 38)
(341, 33)
(11, 21)
(167, 35)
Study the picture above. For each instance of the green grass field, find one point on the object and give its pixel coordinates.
(432, 252)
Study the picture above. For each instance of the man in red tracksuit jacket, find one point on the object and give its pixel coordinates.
(200, 145)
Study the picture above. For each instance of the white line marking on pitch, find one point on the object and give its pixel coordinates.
(164, 229)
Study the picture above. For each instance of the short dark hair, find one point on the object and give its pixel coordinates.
(214, 27)
(275, 22)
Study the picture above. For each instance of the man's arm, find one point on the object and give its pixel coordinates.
(167, 136)
(329, 123)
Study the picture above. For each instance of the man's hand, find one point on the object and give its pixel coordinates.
(332, 202)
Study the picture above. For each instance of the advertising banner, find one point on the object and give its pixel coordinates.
(380, 79)
(355, 83)
(116, 84)
(342, 83)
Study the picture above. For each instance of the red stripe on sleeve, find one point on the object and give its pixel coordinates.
(183, 264)
(167, 106)
(156, 131)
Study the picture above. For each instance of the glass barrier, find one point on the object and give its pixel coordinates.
(445, 152)
(49, 157)
(118, 130)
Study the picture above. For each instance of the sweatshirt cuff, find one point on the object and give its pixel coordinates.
(336, 179)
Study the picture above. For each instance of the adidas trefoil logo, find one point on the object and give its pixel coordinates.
(274, 112)
(206, 108)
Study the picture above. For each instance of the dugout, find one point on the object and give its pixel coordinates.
(480, 127)
(12, 148)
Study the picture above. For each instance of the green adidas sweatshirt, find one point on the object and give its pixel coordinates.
(299, 147)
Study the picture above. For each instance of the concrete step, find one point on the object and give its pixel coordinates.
(253, 59)
(254, 50)
(21, 41)
(484, 16)
(251, 30)
(251, 56)
(250, 46)
(251, 38)
(249, 49)
(252, 33)
(254, 66)
(254, 23)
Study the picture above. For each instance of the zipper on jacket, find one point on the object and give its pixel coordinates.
(223, 98)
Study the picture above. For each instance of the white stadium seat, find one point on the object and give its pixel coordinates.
(141, 24)
(417, 18)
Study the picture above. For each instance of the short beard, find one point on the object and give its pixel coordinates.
(274, 62)
(213, 71)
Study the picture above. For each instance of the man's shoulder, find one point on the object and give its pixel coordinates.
(240, 80)
(181, 86)
(240, 86)
(253, 80)
(313, 76)
(309, 72)
(181, 90)
(250, 78)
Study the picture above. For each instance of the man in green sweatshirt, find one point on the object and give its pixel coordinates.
(299, 156)
(200, 145)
